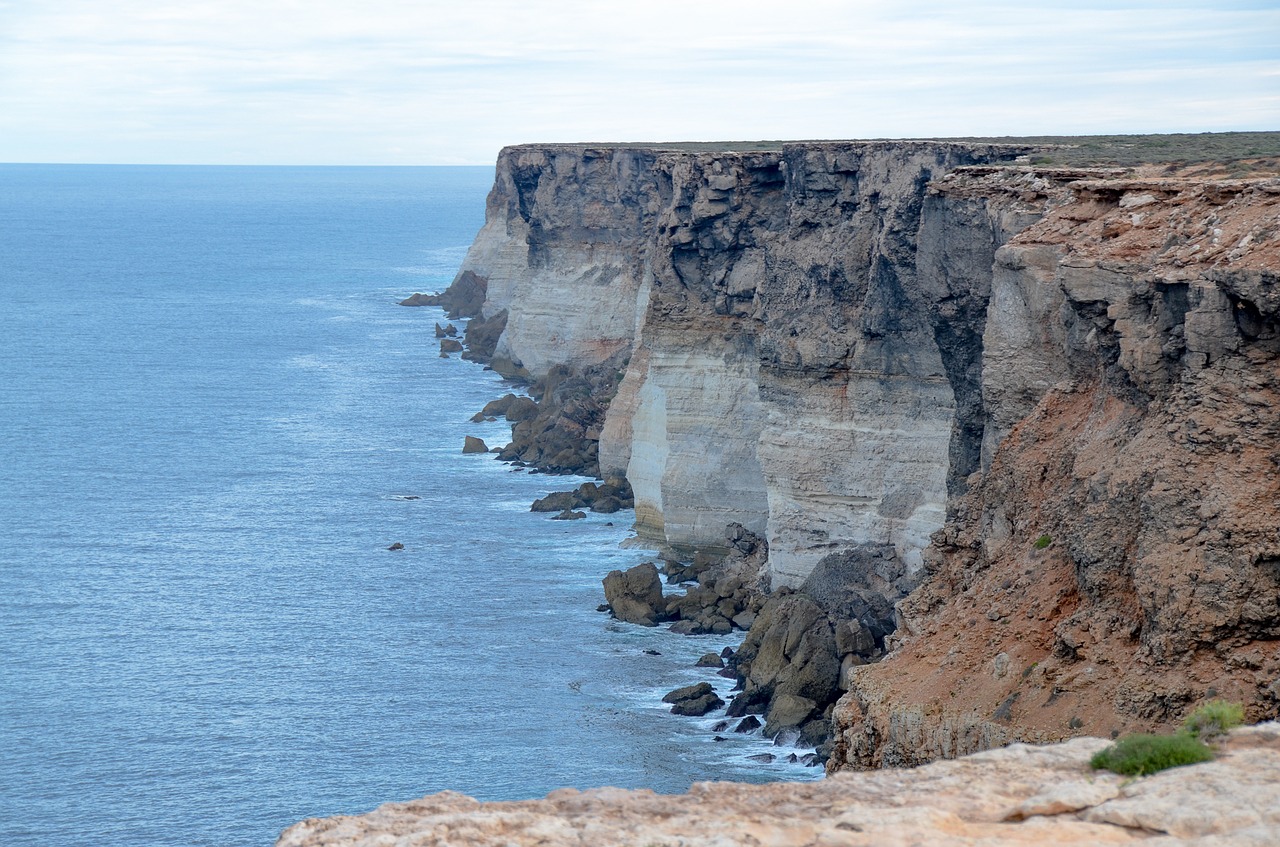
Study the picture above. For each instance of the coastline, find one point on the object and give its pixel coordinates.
(553, 442)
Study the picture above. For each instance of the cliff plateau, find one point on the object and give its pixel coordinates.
(1006, 418)
(1020, 795)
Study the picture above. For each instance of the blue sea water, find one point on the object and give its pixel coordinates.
(214, 419)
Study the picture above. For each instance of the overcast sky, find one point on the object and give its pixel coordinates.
(402, 82)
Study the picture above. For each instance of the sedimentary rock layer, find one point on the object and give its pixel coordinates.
(1020, 795)
(1115, 563)
(786, 369)
(1048, 393)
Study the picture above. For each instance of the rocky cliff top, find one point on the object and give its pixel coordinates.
(1016, 795)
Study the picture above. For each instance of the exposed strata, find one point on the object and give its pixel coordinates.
(1019, 795)
(907, 361)
(1130, 382)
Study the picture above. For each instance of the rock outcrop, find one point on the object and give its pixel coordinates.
(1115, 563)
(1020, 795)
(1010, 424)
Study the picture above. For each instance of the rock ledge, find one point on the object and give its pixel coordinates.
(1015, 795)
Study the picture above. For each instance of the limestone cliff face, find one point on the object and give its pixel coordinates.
(562, 250)
(907, 363)
(787, 369)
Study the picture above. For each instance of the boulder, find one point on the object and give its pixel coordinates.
(450, 345)
(481, 336)
(497, 407)
(474, 445)
(635, 595)
(693, 700)
(607, 505)
(569, 515)
(710, 660)
(787, 711)
(396, 546)
(748, 724)
(521, 409)
(556, 501)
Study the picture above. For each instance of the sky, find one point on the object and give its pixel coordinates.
(402, 82)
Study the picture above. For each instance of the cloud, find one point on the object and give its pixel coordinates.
(392, 81)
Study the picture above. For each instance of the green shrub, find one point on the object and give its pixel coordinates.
(1139, 755)
(1042, 542)
(1217, 717)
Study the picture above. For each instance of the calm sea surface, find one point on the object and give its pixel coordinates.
(214, 419)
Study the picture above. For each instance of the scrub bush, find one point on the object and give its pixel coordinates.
(1139, 755)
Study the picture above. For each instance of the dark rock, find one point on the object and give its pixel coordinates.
(556, 501)
(815, 732)
(765, 758)
(726, 653)
(710, 660)
(569, 515)
(497, 407)
(450, 345)
(721, 726)
(787, 711)
(719, 738)
(396, 546)
(689, 692)
(418, 299)
(474, 445)
(748, 724)
(748, 703)
(635, 595)
(607, 505)
(648, 652)
(603, 607)
(449, 331)
(693, 700)
(481, 336)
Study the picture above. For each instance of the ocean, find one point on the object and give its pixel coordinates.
(214, 420)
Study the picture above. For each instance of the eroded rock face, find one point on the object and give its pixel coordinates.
(1114, 565)
(1020, 795)
(894, 346)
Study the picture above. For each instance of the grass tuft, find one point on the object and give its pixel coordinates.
(1042, 542)
(1139, 755)
(1217, 717)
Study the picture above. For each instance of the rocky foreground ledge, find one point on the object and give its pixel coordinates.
(1019, 794)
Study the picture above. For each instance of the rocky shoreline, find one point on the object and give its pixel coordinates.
(556, 430)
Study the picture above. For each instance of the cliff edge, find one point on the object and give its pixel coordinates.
(1019, 795)
(999, 412)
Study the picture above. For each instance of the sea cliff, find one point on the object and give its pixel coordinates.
(1003, 417)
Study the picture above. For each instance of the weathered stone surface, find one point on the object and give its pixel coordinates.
(1020, 795)
(635, 595)
(852, 347)
(471, 444)
(1127, 428)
